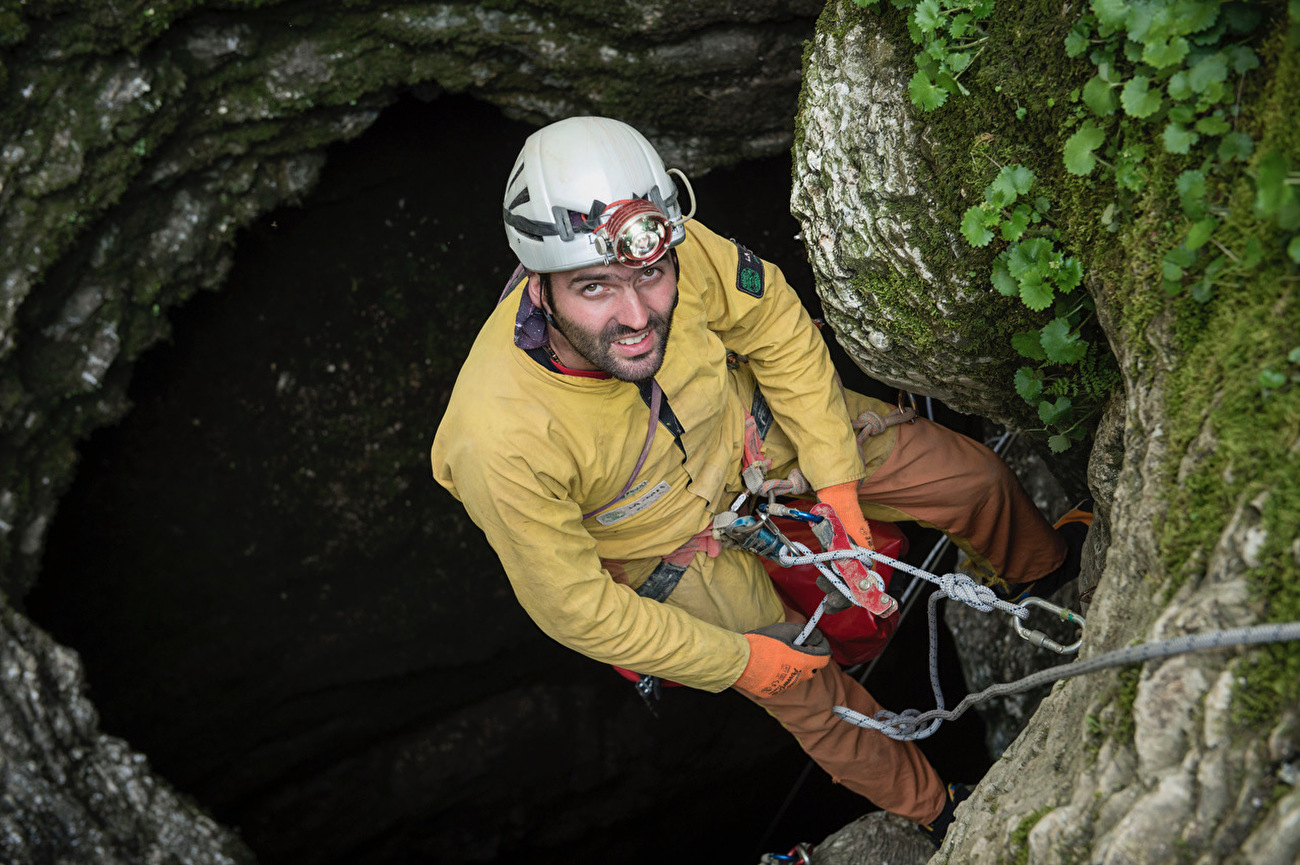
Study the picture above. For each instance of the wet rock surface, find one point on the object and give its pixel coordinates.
(71, 793)
(1174, 760)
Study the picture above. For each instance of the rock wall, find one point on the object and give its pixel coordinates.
(71, 793)
(1194, 467)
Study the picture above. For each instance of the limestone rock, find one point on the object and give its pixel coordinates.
(71, 793)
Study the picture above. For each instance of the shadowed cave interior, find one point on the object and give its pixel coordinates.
(276, 604)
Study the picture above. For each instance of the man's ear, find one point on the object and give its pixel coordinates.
(535, 289)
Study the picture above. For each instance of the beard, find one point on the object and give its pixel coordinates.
(596, 347)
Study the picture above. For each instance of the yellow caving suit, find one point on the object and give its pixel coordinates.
(529, 451)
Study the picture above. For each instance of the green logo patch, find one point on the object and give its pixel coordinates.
(749, 272)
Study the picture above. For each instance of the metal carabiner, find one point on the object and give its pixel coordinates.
(1038, 638)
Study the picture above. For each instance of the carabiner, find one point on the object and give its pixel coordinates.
(1038, 638)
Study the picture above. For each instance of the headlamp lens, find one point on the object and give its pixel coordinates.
(636, 232)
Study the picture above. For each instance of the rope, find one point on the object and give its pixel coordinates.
(959, 587)
(911, 725)
(905, 726)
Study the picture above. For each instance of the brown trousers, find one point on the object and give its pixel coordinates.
(950, 482)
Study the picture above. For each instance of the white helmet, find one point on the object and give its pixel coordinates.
(591, 190)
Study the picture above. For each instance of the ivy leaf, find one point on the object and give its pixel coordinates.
(1178, 139)
(1236, 145)
(1111, 13)
(1138, 99)
(1293, 250)
(1202, 291)
(927, 15)
(1164, 53)
(1270, 184)
(1012, 181)
(1034, 293)
(1242, 17)
(1050, 413)
(924, 94)
(1178, 87)
(1098, 97)
(1079, 147)
(1271, 379)
(1191, 193)
(1058, 443)
(1061, 344)
(1014, 227)
(1212, 69)
(1076, 43)
(958, 61)
(1242, 59)
(973, 228)
(1028, 343)
(1069, 275)
(1200, 232)
(1003, 281)
(1028, 385)
(1212, 125)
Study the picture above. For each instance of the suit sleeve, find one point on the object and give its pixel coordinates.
(553, 567)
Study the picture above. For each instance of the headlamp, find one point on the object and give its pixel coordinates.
(634, 231)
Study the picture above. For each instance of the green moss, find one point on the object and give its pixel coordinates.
(1123, 725)
(1228, 446)
(1015, 114)
(1019, 842)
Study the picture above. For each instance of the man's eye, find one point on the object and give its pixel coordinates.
(650, 272)
(594, 288)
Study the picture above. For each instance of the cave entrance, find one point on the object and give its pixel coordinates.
(278, 606)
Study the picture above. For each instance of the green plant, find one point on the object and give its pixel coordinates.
(1067, 383)
(1180, 65)
(1271, 380)
(948, 31)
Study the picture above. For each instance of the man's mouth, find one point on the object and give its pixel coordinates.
(636, 340)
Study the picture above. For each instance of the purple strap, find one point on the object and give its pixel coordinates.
(656, 400)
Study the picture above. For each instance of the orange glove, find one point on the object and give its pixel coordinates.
(844, 498)
(776, 663)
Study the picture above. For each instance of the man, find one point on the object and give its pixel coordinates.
(625, 310)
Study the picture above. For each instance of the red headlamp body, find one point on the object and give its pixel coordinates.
(634, 231)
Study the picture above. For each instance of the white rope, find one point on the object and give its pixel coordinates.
(907, 726)
(911, 724)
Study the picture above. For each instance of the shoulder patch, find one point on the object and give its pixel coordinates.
(749, 272)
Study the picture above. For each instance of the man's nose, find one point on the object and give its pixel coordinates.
(632, 311)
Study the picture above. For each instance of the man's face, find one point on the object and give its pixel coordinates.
(613, 317)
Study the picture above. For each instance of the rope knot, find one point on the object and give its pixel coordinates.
(962, 588)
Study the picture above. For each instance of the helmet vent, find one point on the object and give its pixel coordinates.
(522, 198)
